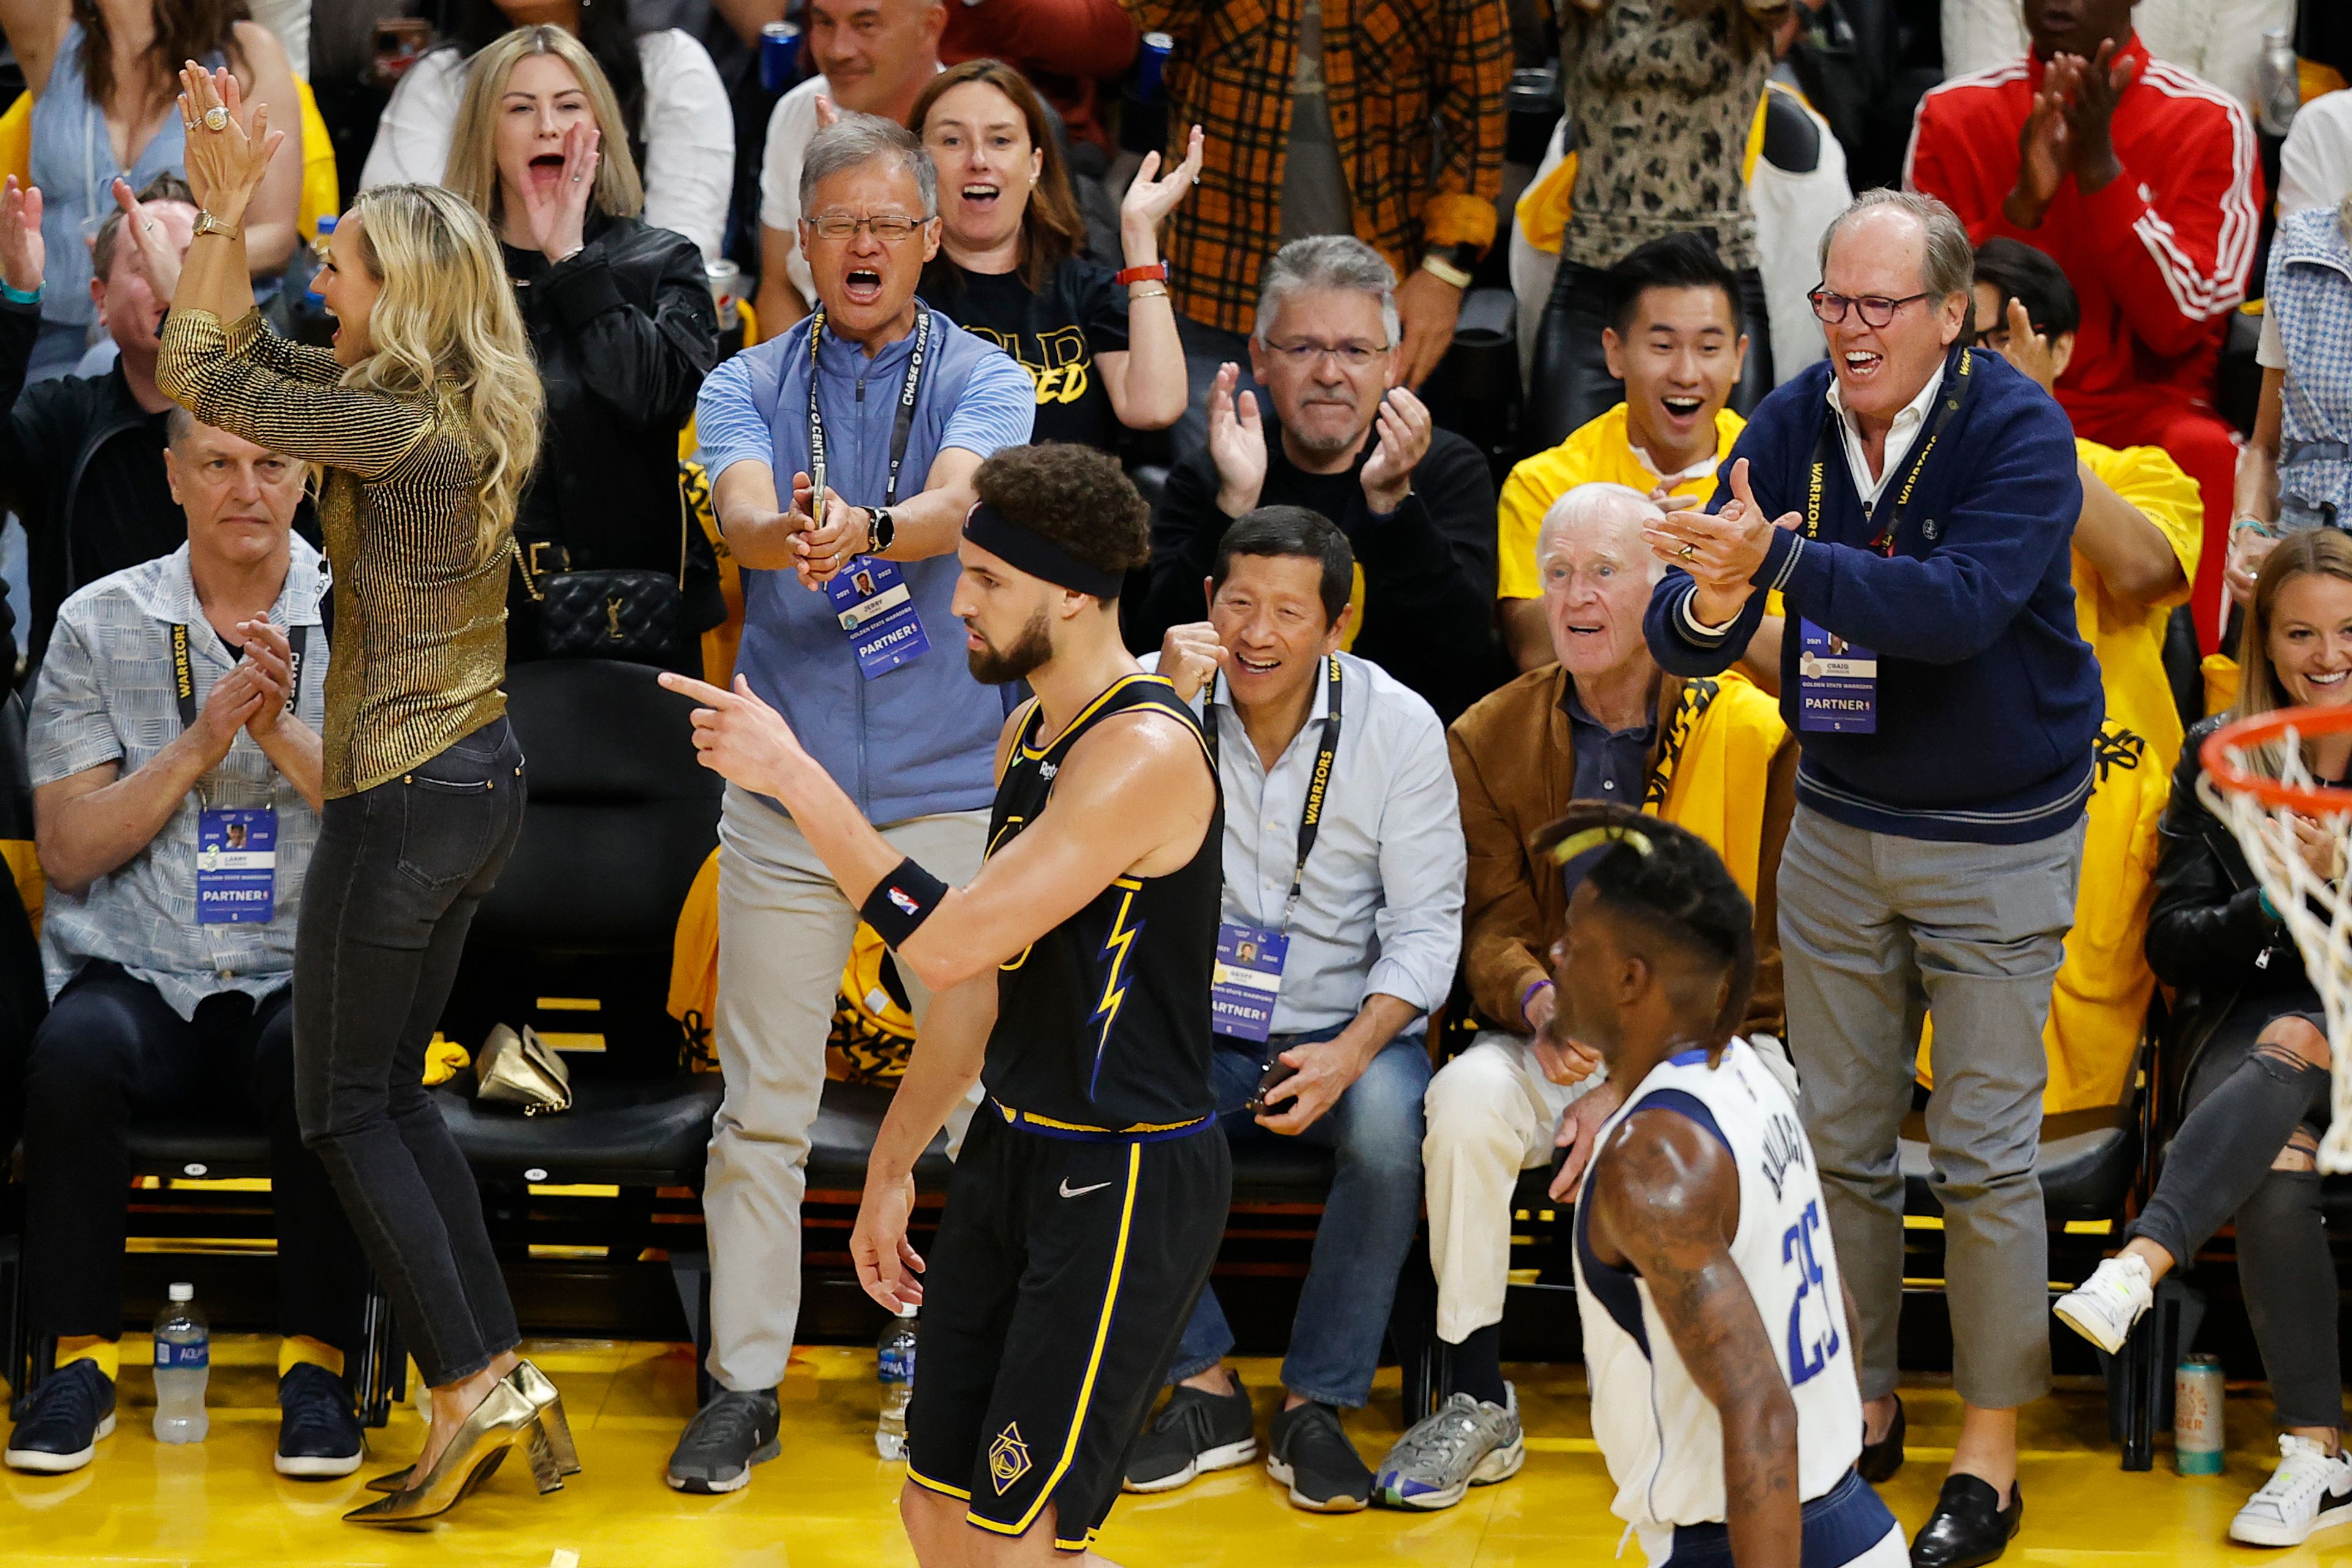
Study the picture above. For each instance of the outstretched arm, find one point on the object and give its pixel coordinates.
(1666, 1200)
(1091, 833)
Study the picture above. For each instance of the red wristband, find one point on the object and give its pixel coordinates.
(1155, 273)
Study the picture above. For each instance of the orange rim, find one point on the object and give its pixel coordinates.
(2243, 734)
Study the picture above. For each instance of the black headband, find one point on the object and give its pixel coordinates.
(1036, 554)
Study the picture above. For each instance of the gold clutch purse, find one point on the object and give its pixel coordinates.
(521, 1069)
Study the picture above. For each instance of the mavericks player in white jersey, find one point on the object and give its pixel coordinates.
(1717, 1337)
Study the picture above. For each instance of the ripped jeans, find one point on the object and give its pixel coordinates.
(2247, 1103)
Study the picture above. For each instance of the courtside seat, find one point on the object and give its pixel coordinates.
(1281, 1171)
(2087, 1162)
(848, 1120)
(622, 1132)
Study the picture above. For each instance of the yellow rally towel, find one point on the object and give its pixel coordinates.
(1712, 769)
(2100, 1002)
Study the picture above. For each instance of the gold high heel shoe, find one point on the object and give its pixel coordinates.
(534, 1385)
(504, 1418)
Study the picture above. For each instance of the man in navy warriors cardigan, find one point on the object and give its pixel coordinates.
(1912, 501)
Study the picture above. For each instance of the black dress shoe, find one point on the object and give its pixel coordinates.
(1880, 1460)
(1969, 1526)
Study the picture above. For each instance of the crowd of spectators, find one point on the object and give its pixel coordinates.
(1848, 532)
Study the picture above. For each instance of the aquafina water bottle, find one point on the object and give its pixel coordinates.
(894, 1369)
(183, 1359)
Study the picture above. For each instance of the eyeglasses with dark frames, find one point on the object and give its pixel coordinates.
(890, 228)
(1876, 310)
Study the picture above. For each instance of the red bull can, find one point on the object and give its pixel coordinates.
(780, 55)
(1151, 65)
(2198, 1440)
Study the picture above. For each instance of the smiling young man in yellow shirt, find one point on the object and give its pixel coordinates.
(1675, 343)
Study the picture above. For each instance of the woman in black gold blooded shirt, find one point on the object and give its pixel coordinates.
(1100, 346)
(425, 420)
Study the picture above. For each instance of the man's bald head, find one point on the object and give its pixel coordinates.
(1597, 573)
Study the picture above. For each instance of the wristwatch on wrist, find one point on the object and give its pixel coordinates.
(1450, 263)
(881, 528)
(207, 224)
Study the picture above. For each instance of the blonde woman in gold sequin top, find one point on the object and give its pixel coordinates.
(423, 422)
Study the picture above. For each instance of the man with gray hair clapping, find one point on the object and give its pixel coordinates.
(1346, 440)
(1912, 501)
(843, 498)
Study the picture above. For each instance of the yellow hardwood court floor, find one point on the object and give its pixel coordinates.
(829, 1503)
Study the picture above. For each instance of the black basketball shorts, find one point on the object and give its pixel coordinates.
(1060, 1282)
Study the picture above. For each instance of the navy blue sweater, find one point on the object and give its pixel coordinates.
(1989, 699)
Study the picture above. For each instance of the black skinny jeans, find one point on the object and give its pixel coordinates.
(398, 873)
(1570, 384)
(112, 1049)
(2244, 1103)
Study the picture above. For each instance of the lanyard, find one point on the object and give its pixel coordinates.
(901, 426)
(1956, 391)
(1310, 818)
(183, 673)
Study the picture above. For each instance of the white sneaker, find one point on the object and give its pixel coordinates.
(2103, 1308)
(2310, 1490)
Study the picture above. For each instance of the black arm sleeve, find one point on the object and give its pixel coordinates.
(646, 364)
(1184, 535)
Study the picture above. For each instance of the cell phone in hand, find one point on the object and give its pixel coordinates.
(1277, 1071)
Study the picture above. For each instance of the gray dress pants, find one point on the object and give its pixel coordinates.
(1877, 932)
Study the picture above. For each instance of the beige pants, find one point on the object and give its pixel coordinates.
(785, 931)
(1491, 1114)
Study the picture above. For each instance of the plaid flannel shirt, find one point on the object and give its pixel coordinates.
(1416, 94)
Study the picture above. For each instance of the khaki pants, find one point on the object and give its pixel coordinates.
(1491, 1113)
(785, 931)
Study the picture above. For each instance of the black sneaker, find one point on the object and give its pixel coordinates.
(317, 1433)
(71, 1409)
(724, 1440)
(1308, 1450)
(1195, 1431)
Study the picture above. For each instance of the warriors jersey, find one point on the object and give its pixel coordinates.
(1102, 1024)
(1661, 1436)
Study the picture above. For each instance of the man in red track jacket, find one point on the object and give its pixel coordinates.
(2143, 182)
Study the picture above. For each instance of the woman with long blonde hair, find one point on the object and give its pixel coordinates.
(425, 421)
(2248, 1052)
(621, 322)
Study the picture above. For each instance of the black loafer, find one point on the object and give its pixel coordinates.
(1880, 1460)
(1969, 1527)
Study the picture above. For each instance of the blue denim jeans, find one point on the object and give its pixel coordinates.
(1375, 1130)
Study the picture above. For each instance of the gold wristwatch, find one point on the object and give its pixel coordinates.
(207, 224)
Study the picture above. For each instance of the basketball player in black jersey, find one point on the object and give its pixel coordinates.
(1071, 976)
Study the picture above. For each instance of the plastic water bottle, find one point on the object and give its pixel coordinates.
(894, 1369)
(183, 1359)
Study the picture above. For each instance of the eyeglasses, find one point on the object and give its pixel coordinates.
(1876, 310)
(1355, 356)
(890, 228)
(1996, 338)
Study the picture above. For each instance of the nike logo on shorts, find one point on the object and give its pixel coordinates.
(1070, 1191)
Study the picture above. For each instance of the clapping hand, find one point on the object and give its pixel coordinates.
(558, 219)
(157, 249)
(22, 253)
(2095, 87)
(271, 657)
(229, 148)
(2042, 150)
(1237, 443)
(1720, 551)
(1403, 427)
(2305, 840)
(1149, 200)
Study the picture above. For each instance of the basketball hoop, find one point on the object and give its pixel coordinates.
(2257, 779)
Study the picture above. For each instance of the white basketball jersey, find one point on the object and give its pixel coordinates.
(1663, 1438)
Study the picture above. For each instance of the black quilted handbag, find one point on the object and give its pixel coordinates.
(625, 612)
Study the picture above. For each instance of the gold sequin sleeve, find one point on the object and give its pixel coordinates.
(247, 381)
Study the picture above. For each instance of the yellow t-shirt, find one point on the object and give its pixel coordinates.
(1598, 453)
(2129, 640)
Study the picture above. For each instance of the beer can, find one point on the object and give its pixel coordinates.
(2198, 1442)
(780, 55)
(726, 292)
(1151, 64)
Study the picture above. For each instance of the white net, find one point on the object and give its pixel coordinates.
(2288, 847)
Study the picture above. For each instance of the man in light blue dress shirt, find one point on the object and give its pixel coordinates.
(1342, 927)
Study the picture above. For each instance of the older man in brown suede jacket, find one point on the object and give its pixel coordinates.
(1603, 723)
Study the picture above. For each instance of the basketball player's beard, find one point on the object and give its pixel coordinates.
(996, 666)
